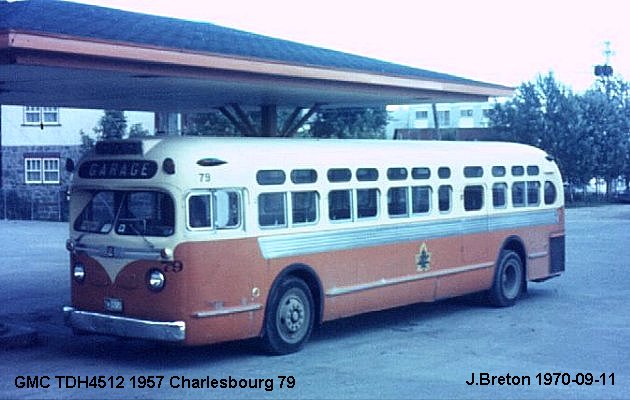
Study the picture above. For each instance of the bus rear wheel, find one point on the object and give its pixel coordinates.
(289, 317)
(508, 280)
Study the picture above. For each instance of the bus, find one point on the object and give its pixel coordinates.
(198, 240)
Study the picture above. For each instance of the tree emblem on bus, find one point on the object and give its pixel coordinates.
(423, 258)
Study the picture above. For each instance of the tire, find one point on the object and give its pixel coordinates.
(289, 317)
(508, 285)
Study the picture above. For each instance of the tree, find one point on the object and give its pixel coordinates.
(212, 123)
(138, 131)
(87, 142)
(344, 123)
(606, 110)
(588, 134)
(547, 115)
(112, 125)
(349, 123)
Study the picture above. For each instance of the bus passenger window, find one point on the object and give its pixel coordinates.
(367, 174)
(397, 174)
(518, 170)
(498, 171)
(499, 194)
(367, 203)
(473, 198)
(339, 175)
(303, 176)
(199, 213)
(444, 172)
(533, 170)
(550, 193)
(518, 194)
(421, 173)
(227, 209)
(305, 206)
(533, 193)
(397, 202)
(420, 199)
(271, 177)
(339, 205)
(444, 198)
(473, 172)
(272, 210)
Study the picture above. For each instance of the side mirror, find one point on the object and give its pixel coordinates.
(70, 165)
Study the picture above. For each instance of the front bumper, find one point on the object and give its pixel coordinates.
(122, 326)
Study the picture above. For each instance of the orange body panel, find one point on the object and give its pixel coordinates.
(228, 274)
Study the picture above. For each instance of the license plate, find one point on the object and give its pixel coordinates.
(113, 305)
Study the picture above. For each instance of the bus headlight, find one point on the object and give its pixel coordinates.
(71, 245)
(78, 272)
(155, 280)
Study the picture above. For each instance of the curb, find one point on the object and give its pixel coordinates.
(14, 336)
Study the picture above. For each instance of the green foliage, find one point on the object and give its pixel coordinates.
(345, 123)
(208, 124)
(588, 134)
(112, 125)
(350, 123)
(138, 131)
(87, 142)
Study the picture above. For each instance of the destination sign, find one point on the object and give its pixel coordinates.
(118, 169)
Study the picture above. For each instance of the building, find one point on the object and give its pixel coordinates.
(34, 145)
(456, 118)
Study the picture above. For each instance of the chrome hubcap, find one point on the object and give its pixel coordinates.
(292, 317)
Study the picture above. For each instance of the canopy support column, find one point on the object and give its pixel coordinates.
(292, 129)
(269, 120)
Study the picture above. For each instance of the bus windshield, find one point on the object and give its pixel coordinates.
(141, 213)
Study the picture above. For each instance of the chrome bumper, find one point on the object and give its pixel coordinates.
(121, 326)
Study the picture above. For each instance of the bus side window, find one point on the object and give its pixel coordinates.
(305, 206)
(550, 193)
(339, 205)
(420, 199)
(444, 198)
(533, 193)
(199, 207)
(518, 194)
(272, 210)
(473, 198)
(227, 209)
(367, 203)
(397, 202)
(499, 194)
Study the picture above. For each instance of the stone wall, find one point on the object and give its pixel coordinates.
(19, 200)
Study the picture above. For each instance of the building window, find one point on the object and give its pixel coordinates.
(41, 115)
(41, 170)
(467, 113)
(422, 114)
(444, 118)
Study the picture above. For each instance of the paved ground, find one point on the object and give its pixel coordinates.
(577, 324)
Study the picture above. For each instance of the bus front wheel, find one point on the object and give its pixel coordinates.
(289, 317)
(508, 280)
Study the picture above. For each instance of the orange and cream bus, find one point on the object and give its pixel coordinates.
(203, 240)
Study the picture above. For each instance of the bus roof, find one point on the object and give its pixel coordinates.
(351, 152)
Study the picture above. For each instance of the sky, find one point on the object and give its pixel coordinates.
(498, 41)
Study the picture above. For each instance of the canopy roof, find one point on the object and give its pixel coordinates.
(59, 53)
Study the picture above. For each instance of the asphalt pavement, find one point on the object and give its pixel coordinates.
(567, 338)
